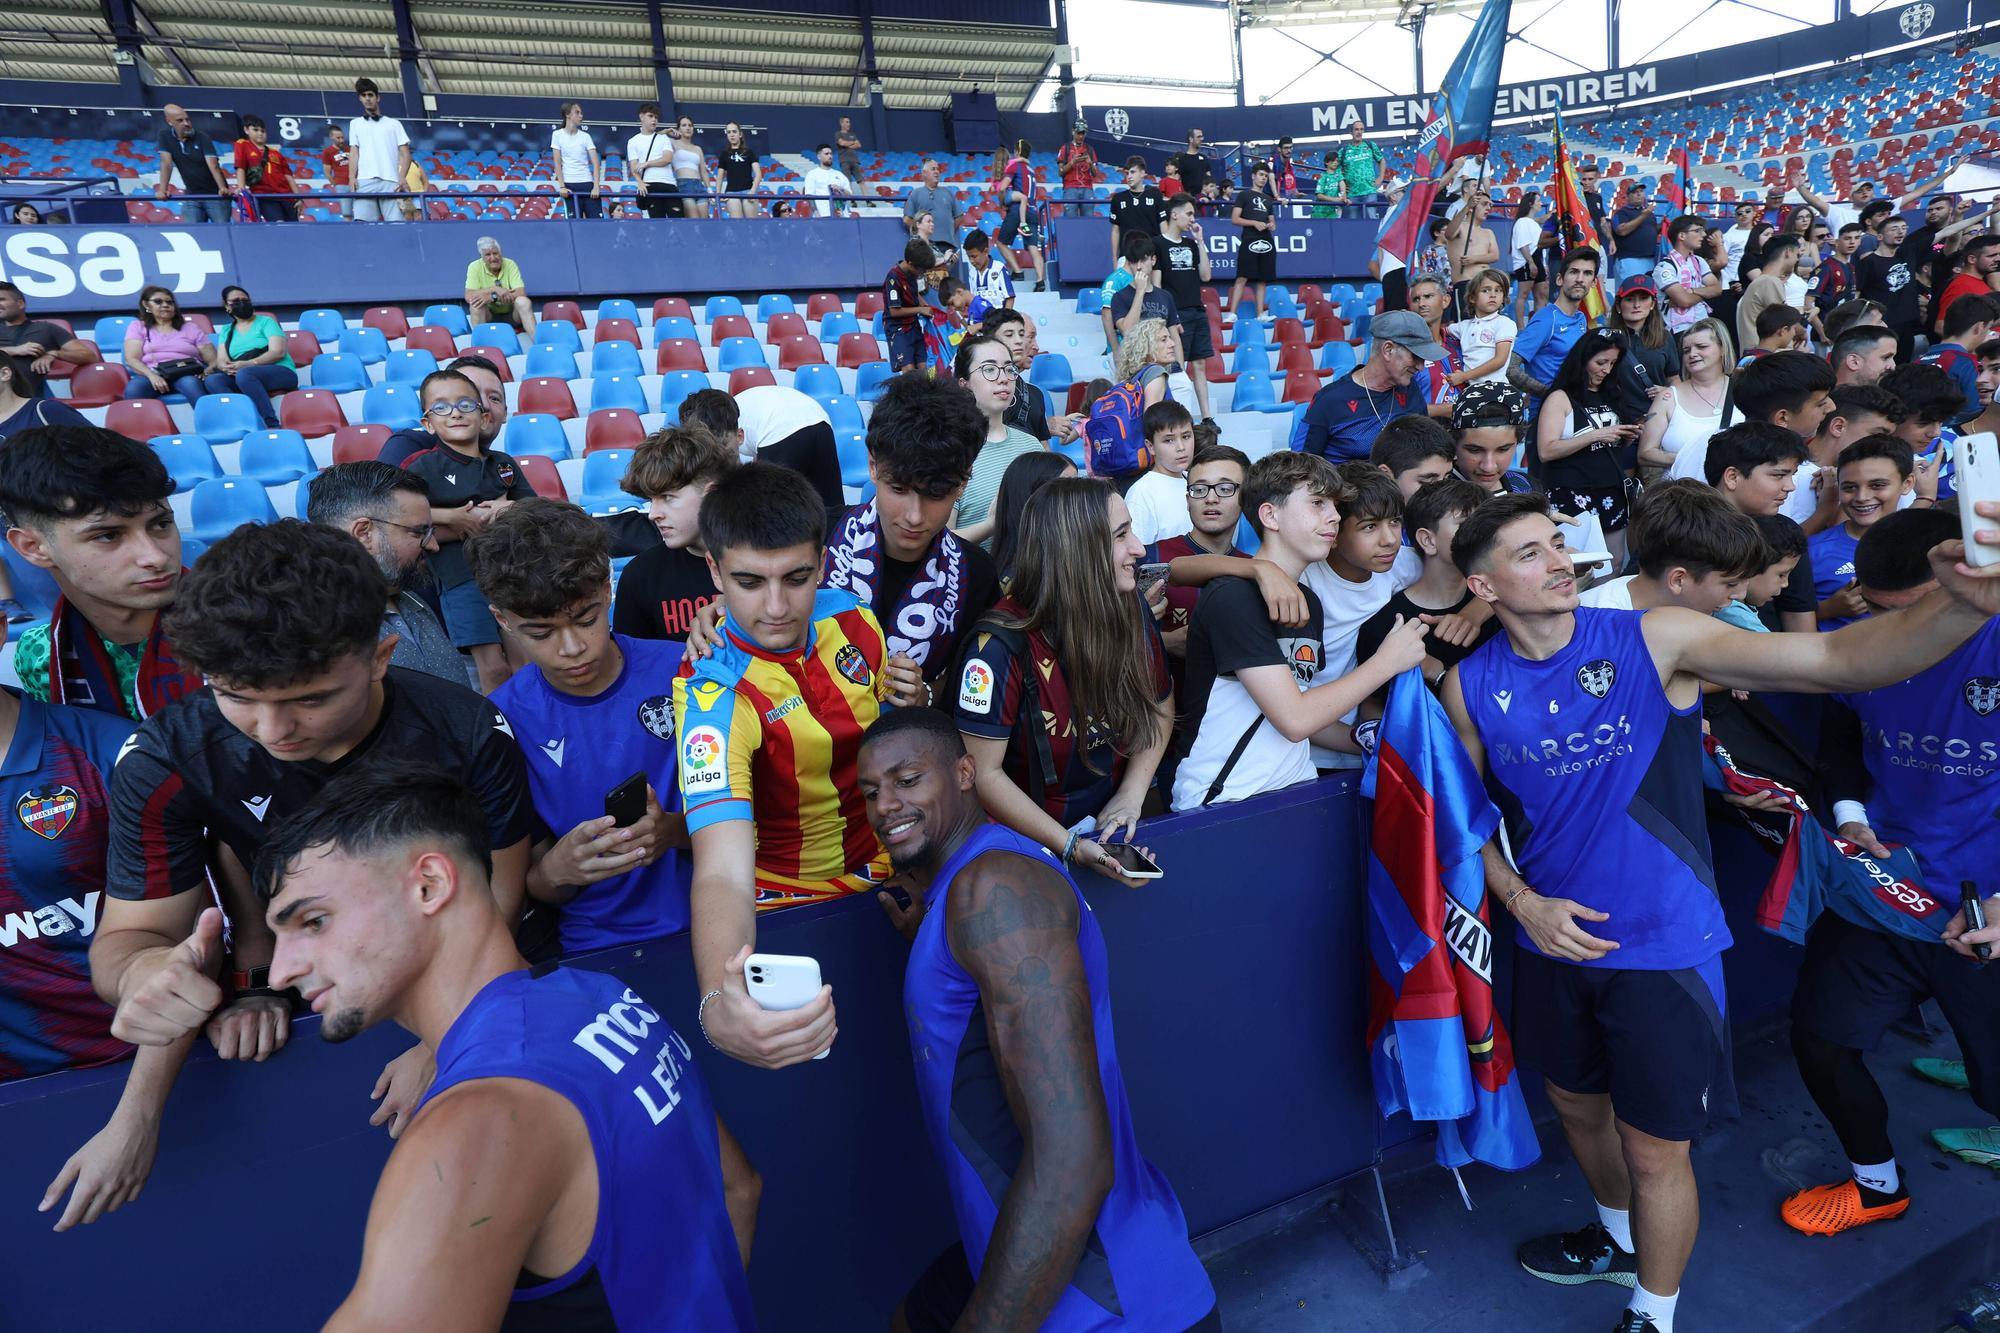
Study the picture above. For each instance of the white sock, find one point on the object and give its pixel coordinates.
(1883, 1178)
(1659, 1309)
(1617, 1221)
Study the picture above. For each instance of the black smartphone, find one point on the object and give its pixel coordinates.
(626, 802)
(1975, 916)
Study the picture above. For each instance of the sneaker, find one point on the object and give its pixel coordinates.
(1981, 1147)
(1828, 1210)
(13, 611)
(1634, 1322)
(1574, 1257)
(1042, 285)
(1950, 1073)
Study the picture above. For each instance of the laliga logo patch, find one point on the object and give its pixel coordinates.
(1983, 693)
(47, 811)
(849, 663)
(703, 764)
(1597, 677)
(975, 688)
(656, 715)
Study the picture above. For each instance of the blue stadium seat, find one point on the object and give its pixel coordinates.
(676, 385)
(870, 379)
(1248, 333)
(222, 504)
(844, 412)
(738, 352)
(274, 457)
(224, 418)
(1253, 394)
(535, 433)
(109, 335)
(502, 338)
(325, 324)
(615, 358)
(674, 326)
(371, 345)
(559, 333)
(617, 308)
(339, 372)
(717, 306)
(551, 361)
(191, 549)
(776, 303)
(852, 446)
(450, 317)
(836, 322)
(408, 367)
(1073, 451)
(1337, 357)
(1280, 305)
(1051, 371)
(821, 381)
(1090, 301)
(393, 405)
(1251, 361)
(188, 458)
(602, 471)
(618, 391)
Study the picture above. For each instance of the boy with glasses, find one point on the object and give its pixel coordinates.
(469, 485)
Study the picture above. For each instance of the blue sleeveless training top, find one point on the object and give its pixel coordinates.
(1138, 1270)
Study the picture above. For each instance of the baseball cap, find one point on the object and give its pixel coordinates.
(1638, 282)
(1407, 329)
(1081, 127)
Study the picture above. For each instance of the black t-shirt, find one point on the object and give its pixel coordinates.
(1194, 171)
(50, 336)
(187, 773)
(660, 592)
(1158, 305)
(981, 590)
(1027, 411)
(404, 445)
(190, 158)
(1255, 206)
(1797, 594)
(1893, 282)
(1368, 641)
(1139, 211)
(457, 481)
(1596, 466)
(737, 166)
(1180, 273)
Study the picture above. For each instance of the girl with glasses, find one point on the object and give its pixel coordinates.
(986, 368)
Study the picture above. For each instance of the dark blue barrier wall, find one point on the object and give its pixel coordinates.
(1240, 1007)
(1308, 247)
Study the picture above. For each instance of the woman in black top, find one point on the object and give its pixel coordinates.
(742, 173)
(1578, 438)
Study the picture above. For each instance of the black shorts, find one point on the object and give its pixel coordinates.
(1856, 982)
(1257, 261)
(1012, 233)
(1608, 503)
(940, 1296)
(1657, 1042)
(1196, 345)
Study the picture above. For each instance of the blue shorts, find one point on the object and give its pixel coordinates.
(906, 346)
(467, 618)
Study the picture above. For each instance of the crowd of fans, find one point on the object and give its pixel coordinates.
(1593, 540)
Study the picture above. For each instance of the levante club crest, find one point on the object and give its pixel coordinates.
(47, 811)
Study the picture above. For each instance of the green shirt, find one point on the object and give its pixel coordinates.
(1362, 164)
(987, 470)
(242, 344)
(1328, 184)
(31, 664)
(478, 277)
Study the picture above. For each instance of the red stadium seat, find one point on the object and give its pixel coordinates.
(612, 428)
(1329, 329)
(98, 384)
(729, 326)
(1288, 331)
(431, 338)
(750, 377)
(311, 412)
(303, 346)
(567, 310)
(782, 325)
(139, 418)
(857, 349)
(1310, 293)
(546, 394)
(1300, 386)
(616, 331)
(821, 304)
(1217, 372)
(867, 304)
(542, 475)
(678, 354)
(200, 320)
(668, 306)
(803, 349)
(388, 318)
(1076, 401)
(359, 444)
(1211, 299)
(1296, 356)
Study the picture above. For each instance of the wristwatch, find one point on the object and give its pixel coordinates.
(253, 983)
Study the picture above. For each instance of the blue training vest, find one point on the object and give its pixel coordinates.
(1138, 1271)
(663, 1251)
(1599, 778)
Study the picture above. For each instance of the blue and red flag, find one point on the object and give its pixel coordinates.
(1458, 124)
(1437, 1047)
(1572, 217)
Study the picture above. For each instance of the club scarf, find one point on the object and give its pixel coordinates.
(82, 673)
(924, 623)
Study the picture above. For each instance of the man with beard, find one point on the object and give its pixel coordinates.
(1346, 416)
(388, 511)
(1062, 1223)
(1539, 350)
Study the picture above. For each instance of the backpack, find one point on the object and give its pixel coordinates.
(1116, 431)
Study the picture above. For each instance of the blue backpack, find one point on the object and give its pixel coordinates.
(1117, 433)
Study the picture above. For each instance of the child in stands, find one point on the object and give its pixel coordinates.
(1875, 473)
(1158, 499)
(1694, 549)
(1414, 451)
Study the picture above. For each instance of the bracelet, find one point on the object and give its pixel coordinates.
(1514, 897)
(1069, 846)
(698, 1011)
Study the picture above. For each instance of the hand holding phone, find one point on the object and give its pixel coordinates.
(1978, 478)
(1132, 861)
(779, 981)
(1975, 917)
(626, 802)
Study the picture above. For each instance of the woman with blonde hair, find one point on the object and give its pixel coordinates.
(1144, 360)
(1693, 411)
(1064, 697)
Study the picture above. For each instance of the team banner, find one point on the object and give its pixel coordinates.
(1436, 1045)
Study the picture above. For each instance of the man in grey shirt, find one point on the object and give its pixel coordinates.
(388, 511)
(933, 198)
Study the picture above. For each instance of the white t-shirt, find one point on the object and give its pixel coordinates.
(1159, 507)
(1839, 215)
(1527, 231)
(1733, 242)
(644, 148)
(823, 181)
(771, 412)
(372, 146)
(1799, 505)
(574, 147)
(1477, 337)
(1613, 596)
(1344, 608)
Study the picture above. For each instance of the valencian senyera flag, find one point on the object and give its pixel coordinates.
(1437, 1048)
(1458, 124)
(1573, 222)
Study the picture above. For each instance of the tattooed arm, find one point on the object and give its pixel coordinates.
(1012, 925)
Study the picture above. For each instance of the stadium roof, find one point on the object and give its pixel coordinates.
(585, 48)
(1300, 13)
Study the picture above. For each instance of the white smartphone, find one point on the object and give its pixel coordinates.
(783, 981)
(1978, 479)
(1132, 861)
